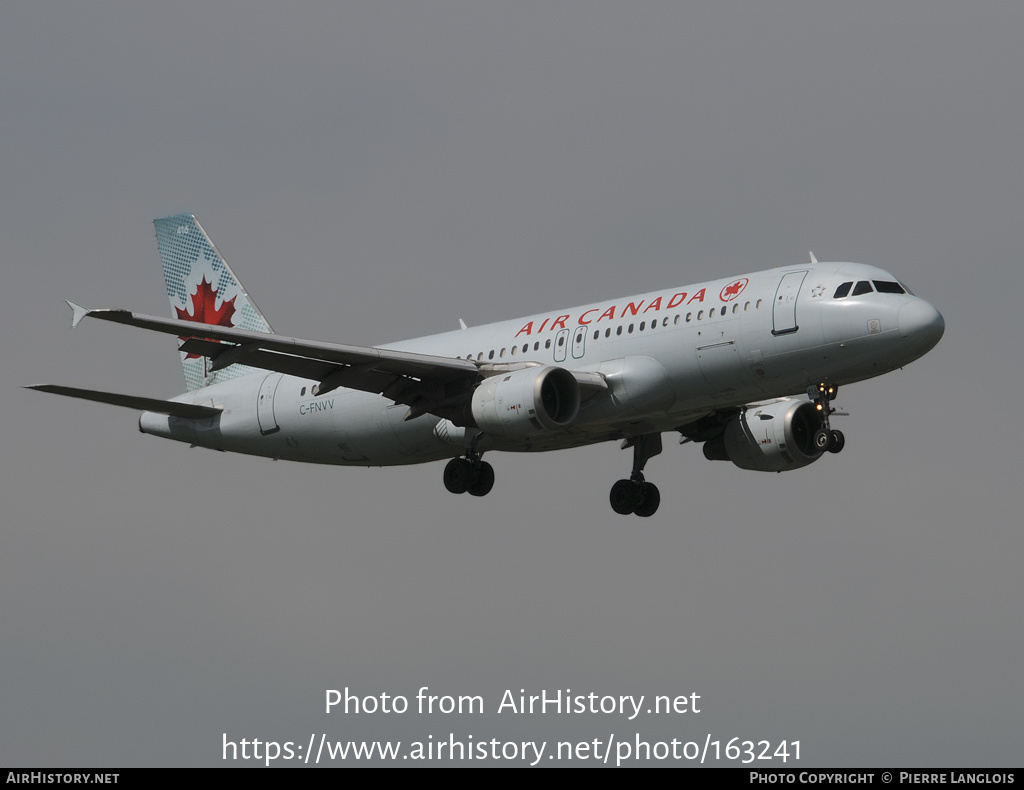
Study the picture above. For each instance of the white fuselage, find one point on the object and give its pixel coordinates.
(668, 357)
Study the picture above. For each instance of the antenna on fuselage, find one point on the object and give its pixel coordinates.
(813, 259)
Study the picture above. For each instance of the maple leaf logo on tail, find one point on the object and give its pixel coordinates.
(205, 311)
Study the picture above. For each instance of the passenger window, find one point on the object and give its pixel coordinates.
(884, 287)
(618, 329)
(547, 343)
(597, 334)
(700, 314)
(843, 291)
(491, 355)
(630, 330)
(608, 332)
(863, 287)
(642, 325)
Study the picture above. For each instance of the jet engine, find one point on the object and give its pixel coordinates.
(774, 437)
(526, 402)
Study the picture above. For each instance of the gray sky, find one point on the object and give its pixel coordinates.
(377, 171)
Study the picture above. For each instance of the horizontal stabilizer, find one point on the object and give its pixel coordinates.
(187, 410)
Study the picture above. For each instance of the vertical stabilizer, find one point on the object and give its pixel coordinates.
(201, 287)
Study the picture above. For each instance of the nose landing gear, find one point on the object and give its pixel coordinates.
(636, 495)
(825, 438)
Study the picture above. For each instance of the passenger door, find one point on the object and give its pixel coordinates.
(784, 308)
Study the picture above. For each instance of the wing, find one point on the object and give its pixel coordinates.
(426, 383)
(423, 382)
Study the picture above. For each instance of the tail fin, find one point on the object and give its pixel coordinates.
(201, 287)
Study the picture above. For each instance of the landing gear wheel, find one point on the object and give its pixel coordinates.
(637, 495)
(650, 498)
(458, 474)
(624, 497)
(825, 438)
(482, 480)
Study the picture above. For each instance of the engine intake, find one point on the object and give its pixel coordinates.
(526, 402)
(775, 437)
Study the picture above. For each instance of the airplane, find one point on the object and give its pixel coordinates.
(747, 366)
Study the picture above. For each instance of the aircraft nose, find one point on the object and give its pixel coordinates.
(920, 321)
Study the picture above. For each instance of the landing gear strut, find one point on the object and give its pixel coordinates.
(469, 475)
(825, 438)
(636, 495)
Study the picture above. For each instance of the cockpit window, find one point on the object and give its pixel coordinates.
(884, 287)
(863, 287)
(842, 291)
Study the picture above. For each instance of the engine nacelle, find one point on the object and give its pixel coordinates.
(526, 402)
(775, 437)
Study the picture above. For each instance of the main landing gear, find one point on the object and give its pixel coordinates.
(469, 475)
(636, 495)
(825, 438)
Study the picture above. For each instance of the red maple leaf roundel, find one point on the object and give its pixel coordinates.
(204, 310)
(733, 289)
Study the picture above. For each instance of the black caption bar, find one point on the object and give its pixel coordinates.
(879, 777)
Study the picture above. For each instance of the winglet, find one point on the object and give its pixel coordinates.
(78, 311)
(813, 259)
